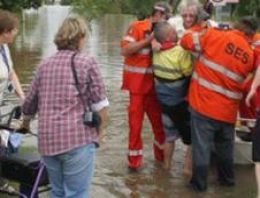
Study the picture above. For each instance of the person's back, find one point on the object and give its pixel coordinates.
(226, 59)
(65, 88)
(59, 105)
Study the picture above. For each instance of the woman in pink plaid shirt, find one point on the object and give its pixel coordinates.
(66, 144)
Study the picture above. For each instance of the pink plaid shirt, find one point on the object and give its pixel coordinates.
(54, 96)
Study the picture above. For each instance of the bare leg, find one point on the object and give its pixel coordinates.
(168, 153)
(187, 168)
(257, 174)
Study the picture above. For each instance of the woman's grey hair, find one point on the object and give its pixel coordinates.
(70, 32)
(192, 5)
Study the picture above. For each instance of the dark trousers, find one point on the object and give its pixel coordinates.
(180, 116)
(205, 133)
(256, 140)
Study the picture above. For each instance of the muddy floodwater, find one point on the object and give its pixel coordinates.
(112, 179)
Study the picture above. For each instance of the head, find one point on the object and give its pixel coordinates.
(248, 25)
(189, 13)
(161, 11)
(71, 34)
(8, 27)
(163, 31)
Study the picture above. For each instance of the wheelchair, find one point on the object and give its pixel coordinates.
(27, 169)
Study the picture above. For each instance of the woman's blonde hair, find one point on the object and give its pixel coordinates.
(70, 32)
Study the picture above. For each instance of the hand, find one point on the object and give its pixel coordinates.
(24, 127)
(156, 46)
(102, 135)
(22, 98)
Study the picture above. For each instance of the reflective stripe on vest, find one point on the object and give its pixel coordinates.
(195, 54)
(136, 69)
(256, 43)
(144, 51)
(221, 69)
(217, 88)
(160, 146)
(135, 152)
(166, 69)
(196, 41)
(129, 39)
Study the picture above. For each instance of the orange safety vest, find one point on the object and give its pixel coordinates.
(224, 62)
(137, 70)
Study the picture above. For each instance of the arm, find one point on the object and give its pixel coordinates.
(30, 105)
(254, 86)
(103, 113)
(97, 93)
(194, 41)
(133, 47)
(17, 86)
(131, 42)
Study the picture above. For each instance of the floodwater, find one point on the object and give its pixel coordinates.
(111, 178)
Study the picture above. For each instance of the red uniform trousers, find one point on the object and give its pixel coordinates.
(140, 104)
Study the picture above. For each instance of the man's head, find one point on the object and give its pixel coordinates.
(189, 13)
(247, 24)
(161, 11)
(163, 31)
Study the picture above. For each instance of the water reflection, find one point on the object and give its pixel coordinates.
(112, 178)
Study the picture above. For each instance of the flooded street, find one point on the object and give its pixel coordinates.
(111, 178)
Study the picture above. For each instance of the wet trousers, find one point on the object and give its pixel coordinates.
(205, 133)
(139, 105)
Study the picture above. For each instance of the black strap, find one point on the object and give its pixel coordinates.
(2, 51)
(76, 79)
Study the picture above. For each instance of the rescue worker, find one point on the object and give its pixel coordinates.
(138, 80)
(225, 60)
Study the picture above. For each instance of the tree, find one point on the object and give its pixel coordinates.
(245, 7)
(17, 5)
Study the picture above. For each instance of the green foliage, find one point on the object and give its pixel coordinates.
(140, 8)
(245, 7)
(66, 2)
(16, 5)
(95, 8)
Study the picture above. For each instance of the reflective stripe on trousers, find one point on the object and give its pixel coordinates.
(135, 152)
(217, 88)
(136, 69)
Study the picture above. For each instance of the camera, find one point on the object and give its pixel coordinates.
(92, 119)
